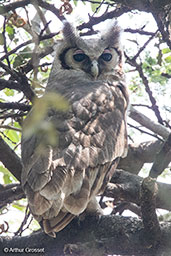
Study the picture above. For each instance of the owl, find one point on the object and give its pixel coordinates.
(63, 180)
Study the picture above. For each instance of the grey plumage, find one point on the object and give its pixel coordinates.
(62, 181)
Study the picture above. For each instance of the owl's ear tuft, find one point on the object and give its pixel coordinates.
(111, 38)
(70, 34)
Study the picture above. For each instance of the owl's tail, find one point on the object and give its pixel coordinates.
(57, 223)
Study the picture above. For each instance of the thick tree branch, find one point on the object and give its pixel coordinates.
(149, 191)
(126, 187)
(10, 160)
(160, 16)
(8, 195)
(14, 105)
(138, 154)
(110, 235)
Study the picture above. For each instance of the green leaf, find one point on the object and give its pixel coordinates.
(11, 31)
(94, 7)
(168, 59)
(8, 92)
(13, 135)
(22, 57)
(6, 175)
(166, 50)
(7, 179)
(17, 125)
(75, 2)
(18, 61)
(3, 170)
(19, 207)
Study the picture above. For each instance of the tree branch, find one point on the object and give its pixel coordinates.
(107, 15)
(110, 235)
(23, 3)
(148, 123)
(9, 195)
(126, 187)
(154, 106)
(15, 105)
(138, 154)
(148, 208)
(163, 158)
(10, 160)
(22, 86)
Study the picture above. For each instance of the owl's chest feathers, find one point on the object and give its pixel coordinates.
(88, 132)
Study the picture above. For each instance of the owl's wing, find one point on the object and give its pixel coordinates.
(92, 135)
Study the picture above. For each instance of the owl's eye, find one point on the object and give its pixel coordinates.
(106, 56)
(79, 57)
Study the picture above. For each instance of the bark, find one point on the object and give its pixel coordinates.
(148, 123)
(10, 160)
(92, 237)
(10, 193)
(163, 158)
(138, 154)
(148, 209)
(126, 187)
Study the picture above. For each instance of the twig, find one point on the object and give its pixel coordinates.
(140, 105)
(97, 2)
(166, 75)
(10, 128)
(29, 66)
(144, 46)
(154, 106)
(105, 16)
(16, 115)
(51, 8)
(5, 42)
(24, 222)
(121, 207)
(139, 31)
(142, 131)
(41, 38)
(22, 79)
(148, 123)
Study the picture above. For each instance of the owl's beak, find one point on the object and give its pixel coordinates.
(94, 69)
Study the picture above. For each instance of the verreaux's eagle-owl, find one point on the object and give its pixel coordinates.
(63, 181)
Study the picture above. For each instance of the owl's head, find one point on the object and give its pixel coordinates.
(98, 57)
